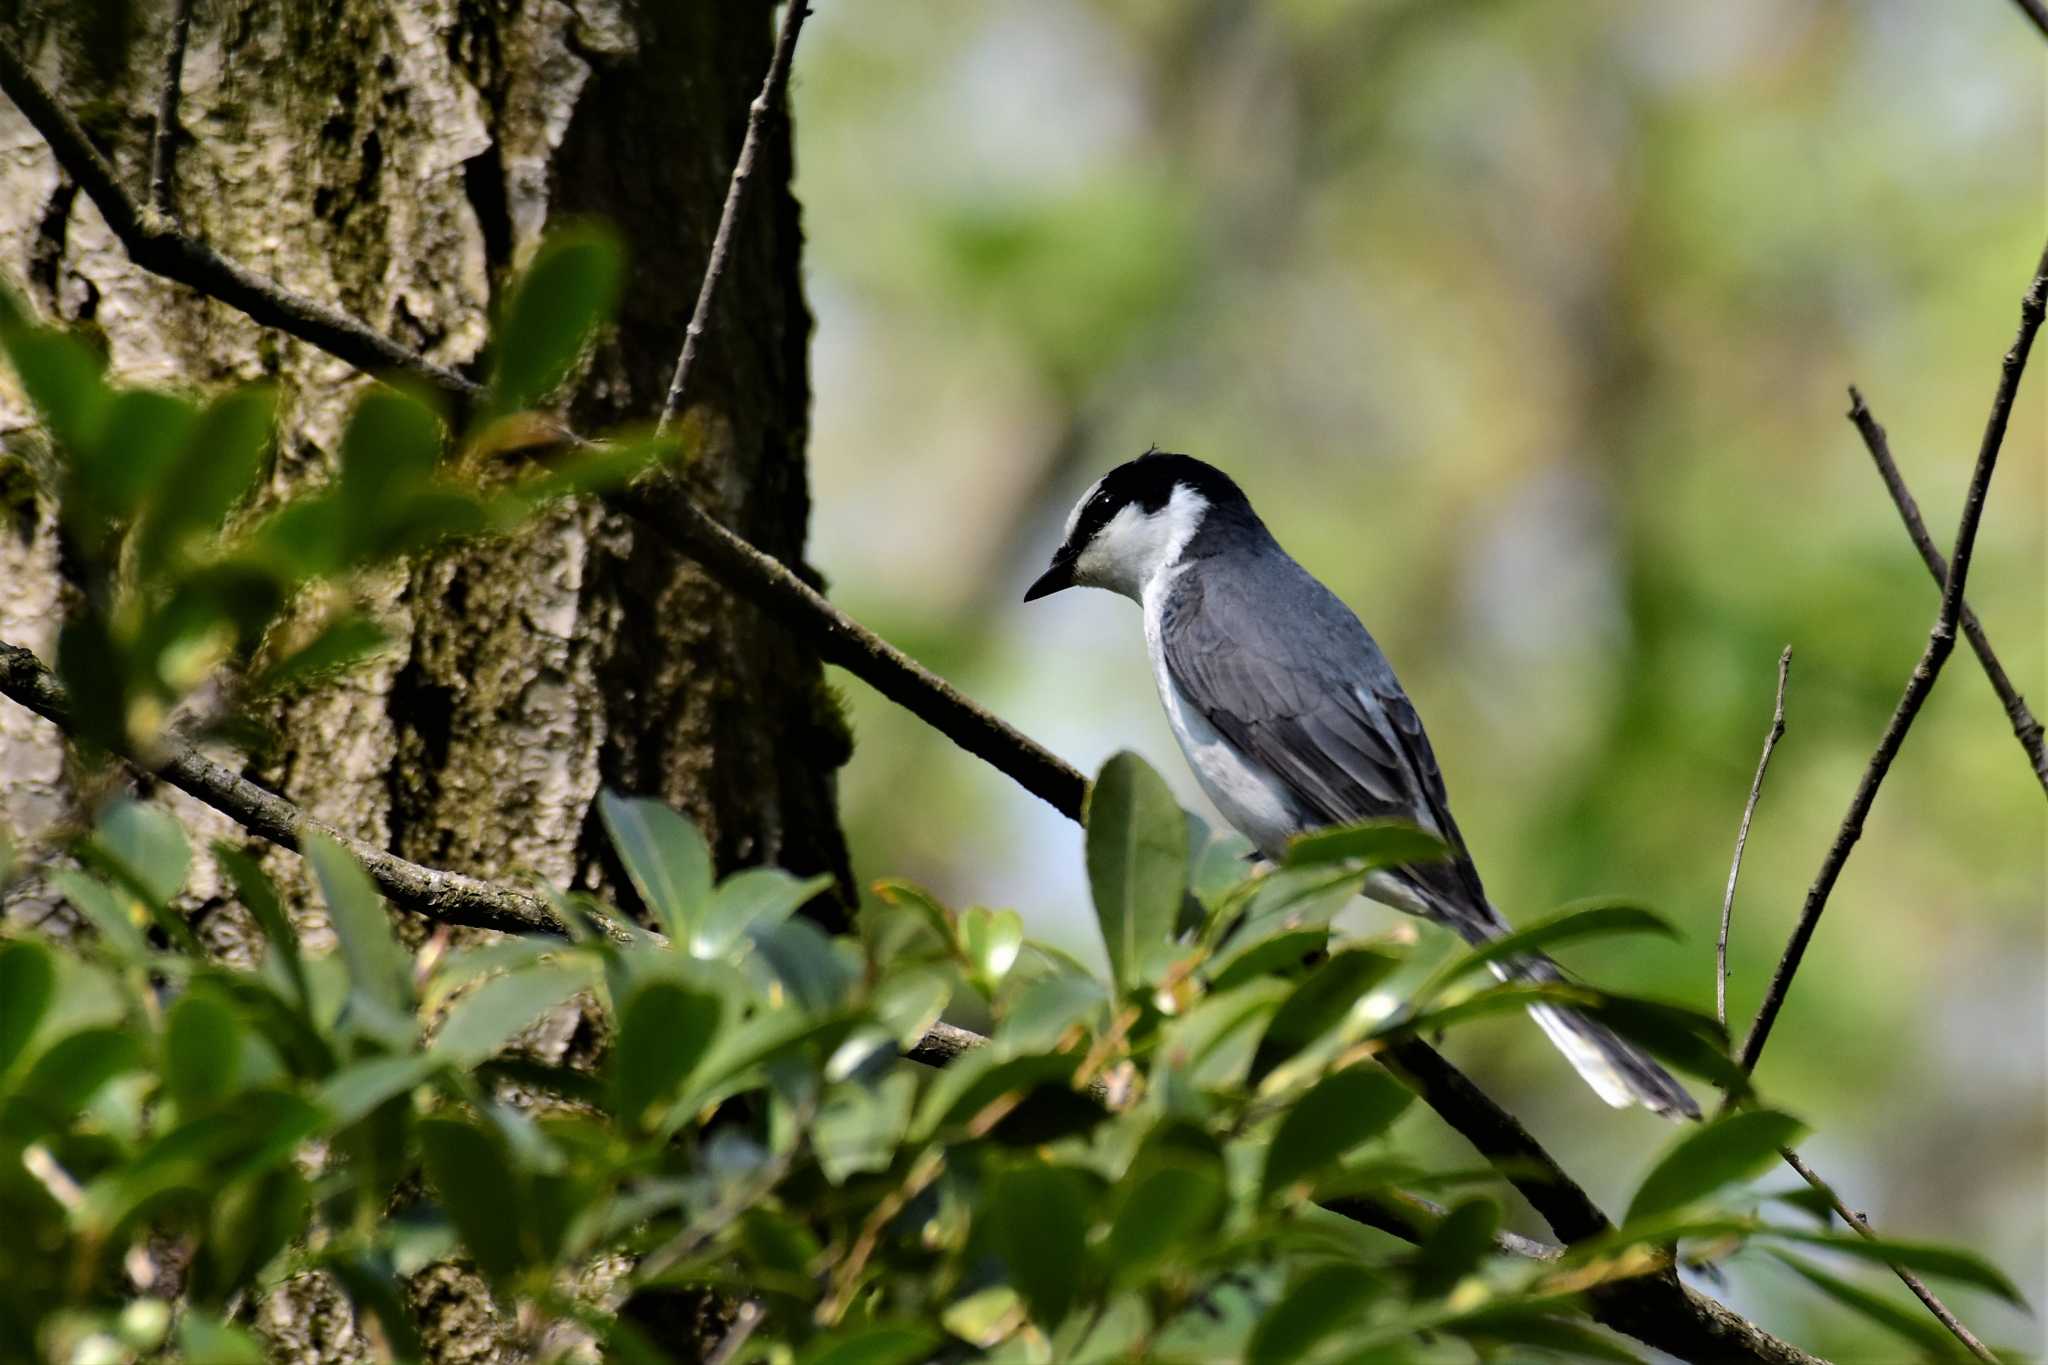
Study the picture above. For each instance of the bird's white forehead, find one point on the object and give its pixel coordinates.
(1074, 517)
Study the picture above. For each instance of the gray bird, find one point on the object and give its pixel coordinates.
(1291, 717)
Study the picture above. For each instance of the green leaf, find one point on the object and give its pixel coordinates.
(28, 978)
(1318, 1004)
(859, 1127)
(875, 1344)
(1172, 1202)
(1137, 865)
(491, 1015)
(1964, 1267)
(469, 1170)
(203, 1041)
(67, 1076)
(61, 376)
(353, 1092)
(1262, 949)
(1328, 1299)
(94, 671)
(666, 858)
(389, 452)
(1912, 1324)
(1567, 925)
(202, 1336)
(571, 287)
(908, 1003)
(218, 465)
(973, 1082)
(342, 642)
(145, 431)
(991, 939)
(108, 912)
(807, 962)
(260, 899)
(1037, 1217)
(1369, 844)
(1036, 1015)
(1343, 1110)
(1522, 1325)
(1735, 1147)
(148, 846)
(665, 1029)
(372, 1284)
(377, 966)
(756, 898)
(1455, 1247)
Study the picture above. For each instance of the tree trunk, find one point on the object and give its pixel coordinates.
(401, 161)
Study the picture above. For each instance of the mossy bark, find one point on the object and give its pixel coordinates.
(402, 161)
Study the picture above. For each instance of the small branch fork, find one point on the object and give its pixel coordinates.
(1941, 642)
(1756, 789)
(2025, 728)
(735, 201)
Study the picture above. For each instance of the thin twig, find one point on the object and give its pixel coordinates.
(1756, 789)
(2025, 727)
(1941, 642)
(744, 1321)
(735, 200)
(2037, 12)
(1913, 1282)
(163, 145)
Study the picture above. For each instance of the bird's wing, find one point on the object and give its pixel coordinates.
(1321, 710)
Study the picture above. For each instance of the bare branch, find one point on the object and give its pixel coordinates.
(2025, 728)
(1941, 641)
(1756, 789)
(163, 144)
(160, 248)
(735, 200)
(2037, 12)
(1913, 1282)
(445, 897)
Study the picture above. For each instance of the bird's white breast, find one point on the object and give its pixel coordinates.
(1244, 792)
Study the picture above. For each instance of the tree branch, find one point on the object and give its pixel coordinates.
(158, 247)
(445, 897)
(1941, 642)
(1756, 789)
(163, 144)
(735, 201)
(665, 511)
(2037, 12)
(2025, 728)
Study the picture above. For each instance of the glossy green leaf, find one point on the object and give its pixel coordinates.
(201, 1336)
(1737, 1146)
(859, 1127)
(756, 898)
(217, 467)
(108, 913)
(145, 432)
(665, 857)
(494, 1013)
(67, 1075)
(909, 1002)
(665, 1029)
(1170, 1203)
(468, 1168)
(1262, 950)
(61, 376)
(991, 939)
(1318, 1004)
(377, 966)
(1038, 1217)
(147, 844)
(353, 1092)
(812, 967)
(1343, 1109)
(28, 978)
(571, 287)
(389, 452)
(1911, 1324)
(1324, 1302)
(1954, 1263)
(1596, 921)
(1455, 1247)
(1036, 1015)
(1137, 865)
(1368, 844)
(203, 1041)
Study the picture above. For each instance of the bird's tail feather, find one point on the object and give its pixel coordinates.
(1619, 1072)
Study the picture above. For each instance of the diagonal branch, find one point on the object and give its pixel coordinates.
(1756, 789)
(1941, 642)
(735, 201)
(1656, 1308)
(2025, 728)
(2037, 12)
(761, 578)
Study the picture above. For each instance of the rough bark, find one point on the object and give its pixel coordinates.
(401, 161)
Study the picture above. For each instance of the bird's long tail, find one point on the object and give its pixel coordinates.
(1619, 1072)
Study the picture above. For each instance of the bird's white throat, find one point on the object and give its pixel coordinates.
(1135, 547)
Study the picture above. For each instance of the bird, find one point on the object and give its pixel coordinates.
(1291, 716)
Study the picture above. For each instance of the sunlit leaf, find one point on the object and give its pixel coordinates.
(1567, 925)
(1367, 845)
(1343, 1110)
(1137, 865)
(666, 858)
(494, 1013)
(217, 467)
(377, 965)
(1955, 1263)
(1911, 1324)
(755, 898)
(571, 286)
(259, 898)
(1318, 1004)
(1737, 1146)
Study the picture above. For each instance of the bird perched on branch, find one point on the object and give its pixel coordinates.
(1292, 718)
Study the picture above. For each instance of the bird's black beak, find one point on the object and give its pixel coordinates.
(1060, 575)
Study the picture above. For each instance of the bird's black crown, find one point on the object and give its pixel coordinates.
(1149, 481)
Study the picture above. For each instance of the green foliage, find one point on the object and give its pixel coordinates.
(188, 564)
(753, 1127)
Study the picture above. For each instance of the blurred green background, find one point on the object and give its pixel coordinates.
(1527, 327)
